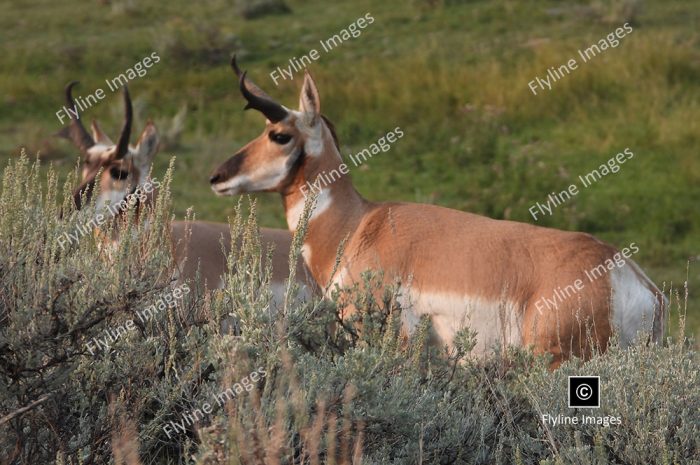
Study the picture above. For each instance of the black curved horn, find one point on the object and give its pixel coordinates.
(123, 144)
(256, 98)
(251, 85)
(75, 131)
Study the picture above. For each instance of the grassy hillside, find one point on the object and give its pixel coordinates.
(452, 74)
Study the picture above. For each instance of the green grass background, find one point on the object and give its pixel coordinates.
(452, 74)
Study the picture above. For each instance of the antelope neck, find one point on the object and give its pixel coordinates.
(338, 212)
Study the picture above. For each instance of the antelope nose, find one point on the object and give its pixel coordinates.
(216, 177)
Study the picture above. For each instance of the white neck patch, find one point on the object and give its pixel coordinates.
(323, 203)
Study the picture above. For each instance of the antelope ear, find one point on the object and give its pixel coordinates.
(99, 136)
(147, 145)
(309, 101)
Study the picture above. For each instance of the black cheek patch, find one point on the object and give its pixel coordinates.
(233, 166)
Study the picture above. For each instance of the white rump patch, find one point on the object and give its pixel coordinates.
(633, 303)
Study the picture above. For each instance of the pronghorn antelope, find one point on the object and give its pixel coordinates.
(459, 268)
(196, 245)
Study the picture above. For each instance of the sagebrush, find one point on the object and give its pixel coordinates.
(333, 391)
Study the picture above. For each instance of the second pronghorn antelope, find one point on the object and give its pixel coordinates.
(459, 268)
(196, 245)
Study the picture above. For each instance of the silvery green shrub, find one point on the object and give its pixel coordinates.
(331, 391)
(58, 400)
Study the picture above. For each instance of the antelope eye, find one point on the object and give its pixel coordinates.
(279, 138)
(118, 174)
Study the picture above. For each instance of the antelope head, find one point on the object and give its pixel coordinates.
(291, 143)
(122, 168)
